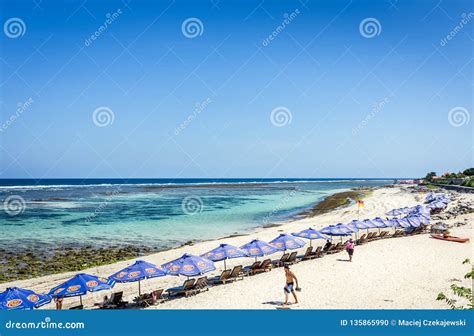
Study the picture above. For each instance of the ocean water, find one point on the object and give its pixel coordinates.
(157, 213)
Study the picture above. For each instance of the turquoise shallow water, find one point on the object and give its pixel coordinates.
(153, 213)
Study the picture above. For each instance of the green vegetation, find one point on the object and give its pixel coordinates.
(464, 293)
(468, 182)
(336, 201)
(29, 264)
(469, 172)
(465, 178)
(429, 176)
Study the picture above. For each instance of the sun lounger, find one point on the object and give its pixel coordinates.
(362, 239)
(375, 236)
(398, 233)
(281, 261)
(318, 253)
(236, 273)
(182, 290)
(157, 296)
(115, 301)
(221, 279)
(254, 266)
(308, 254)
(335, 248)
(370, 236)
(201, 285)
(383, 234)
(264, 267)
(292, 258)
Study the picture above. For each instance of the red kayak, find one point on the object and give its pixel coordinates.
(450, 238)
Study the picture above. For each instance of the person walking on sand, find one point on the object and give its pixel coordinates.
(350, 248)
(290, 283)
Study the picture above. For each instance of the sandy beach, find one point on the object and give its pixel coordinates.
(405, 272)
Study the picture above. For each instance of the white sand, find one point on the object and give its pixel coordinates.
(405, 272)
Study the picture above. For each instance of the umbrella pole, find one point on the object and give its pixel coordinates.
(80, 299)
(139, 288)
(225, 267)
(310, 242)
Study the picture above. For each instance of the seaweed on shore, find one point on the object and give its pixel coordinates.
(28, 263)
(336, 201)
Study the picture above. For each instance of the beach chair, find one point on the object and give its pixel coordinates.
(318, 253)
(383, 234)
(201, 285)
(236, 273)
(222, 279)
(292, 258)
(265, 266)
(114, 302)
(281, 261)
(144, 300)
(362, 239)
(250, 268)
(369, 236)
(181, 290)
(375, 236)
(308, 254)
(157, 296)
(336, 248)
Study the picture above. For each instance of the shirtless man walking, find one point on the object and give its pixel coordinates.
(290, 284)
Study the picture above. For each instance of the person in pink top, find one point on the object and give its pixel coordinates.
(350, 248)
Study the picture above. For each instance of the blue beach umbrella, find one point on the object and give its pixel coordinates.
(430, 197)
(310, 234)
(414, 221)
(189, 265)
(287, 242)
(424, 218)
(337, 230)
(395, 212)
(358, 225)
(19, 298)
(258, 248)
(140, 270)
(436, 205)
(381, 223)
(403, 223)
(80, 284)
(224, 252)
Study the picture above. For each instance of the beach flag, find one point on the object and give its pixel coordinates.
(360, 203)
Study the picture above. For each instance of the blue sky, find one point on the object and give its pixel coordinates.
(352, 105)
